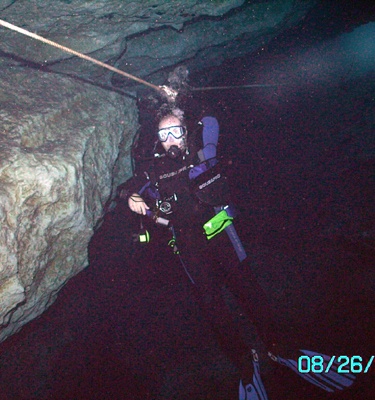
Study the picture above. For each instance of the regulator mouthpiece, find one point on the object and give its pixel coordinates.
(174, 152)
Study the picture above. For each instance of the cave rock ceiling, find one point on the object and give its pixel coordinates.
(142, 38)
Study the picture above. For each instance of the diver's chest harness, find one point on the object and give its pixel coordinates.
(206, 182)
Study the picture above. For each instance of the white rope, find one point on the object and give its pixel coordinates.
(162, 89)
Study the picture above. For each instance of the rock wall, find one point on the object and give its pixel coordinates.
(59, 142)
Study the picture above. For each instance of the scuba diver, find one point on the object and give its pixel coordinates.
(185, 192)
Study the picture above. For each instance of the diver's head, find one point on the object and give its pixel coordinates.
(172, 135)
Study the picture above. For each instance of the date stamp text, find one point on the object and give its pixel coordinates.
(341, 364)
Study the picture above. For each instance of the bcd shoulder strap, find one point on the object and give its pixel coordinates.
(207, 181)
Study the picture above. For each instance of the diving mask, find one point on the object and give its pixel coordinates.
(176, 131)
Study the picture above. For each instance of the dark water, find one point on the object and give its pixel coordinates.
(129, 330)
(301, 166)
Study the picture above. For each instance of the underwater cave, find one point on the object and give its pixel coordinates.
(88, 312)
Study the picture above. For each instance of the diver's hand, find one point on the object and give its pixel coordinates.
(137, 204)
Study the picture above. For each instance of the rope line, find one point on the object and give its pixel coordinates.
(236, 87)
(80, 55)
(165, 90)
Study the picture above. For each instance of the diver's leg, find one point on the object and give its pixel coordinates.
(244, 286)
(201, 258)
(208, 293)
(220, 320)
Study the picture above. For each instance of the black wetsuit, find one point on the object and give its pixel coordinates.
(211, 264)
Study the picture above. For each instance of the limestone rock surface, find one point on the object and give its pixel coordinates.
(59, 142)
(145, 38)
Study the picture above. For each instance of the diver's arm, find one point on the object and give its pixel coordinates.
(128, 192)
(137, 204)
